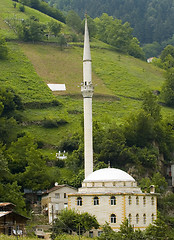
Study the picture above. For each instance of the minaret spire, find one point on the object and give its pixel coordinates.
(87, 92)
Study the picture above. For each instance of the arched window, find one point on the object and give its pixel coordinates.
(152, 200)
(144, 200)
(96, 201)
(137, 200)
(129, 218)
(137, 218)
(113, 218)
(113, 200)
(152, 216)
(144, 218)
(79, 201)
(130, 200)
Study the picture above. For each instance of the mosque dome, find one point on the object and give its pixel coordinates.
(109, 175)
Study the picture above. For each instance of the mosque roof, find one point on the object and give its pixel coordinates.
(108, 175)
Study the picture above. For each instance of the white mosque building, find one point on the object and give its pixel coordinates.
(110, 194)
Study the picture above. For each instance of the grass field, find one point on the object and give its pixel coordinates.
(13, 15)
(114, 76)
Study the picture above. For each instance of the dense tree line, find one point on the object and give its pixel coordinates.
(151, 20)
(21, 162)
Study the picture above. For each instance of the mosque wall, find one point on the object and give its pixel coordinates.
(139, 209)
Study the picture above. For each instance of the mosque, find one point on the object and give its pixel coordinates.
(110, 194)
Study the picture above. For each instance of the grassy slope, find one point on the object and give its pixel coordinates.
(113, 75)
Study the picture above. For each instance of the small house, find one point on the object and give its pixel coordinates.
(56, 199)
(11, 223)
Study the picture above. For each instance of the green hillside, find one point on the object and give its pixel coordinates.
(118, 79)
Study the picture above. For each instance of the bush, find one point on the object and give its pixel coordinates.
(21, 8)
(53, 123)
(3, 48)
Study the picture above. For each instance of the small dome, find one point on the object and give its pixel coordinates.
(108, 175)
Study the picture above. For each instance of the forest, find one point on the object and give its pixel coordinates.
(151, 20)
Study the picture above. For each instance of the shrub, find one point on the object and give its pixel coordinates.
(21, 8)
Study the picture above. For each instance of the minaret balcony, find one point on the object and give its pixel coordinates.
(87, 90)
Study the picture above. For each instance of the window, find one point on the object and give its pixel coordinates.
(91, 234)
(113, 218)
(137, 200)
(152, 201)
(65, 205)
(129, 200)
(144, 200)
(64, 195)
(113, 200)
(79, 201)
(152, 216)
(57, 195)
(137, 218)
(129, 218)
(144, 218)
(96, 201)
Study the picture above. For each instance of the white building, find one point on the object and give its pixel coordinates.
(55, 200)
(110, 194)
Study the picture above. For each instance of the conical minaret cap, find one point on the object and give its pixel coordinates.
(86, 52)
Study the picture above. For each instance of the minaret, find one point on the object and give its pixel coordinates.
(87, 92)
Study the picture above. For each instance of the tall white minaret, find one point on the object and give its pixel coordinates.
(87, 92)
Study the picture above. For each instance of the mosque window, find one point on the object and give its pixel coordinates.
(137, 218)
(113, 218)
(152, 200)
(152, 217)
(144, 218)
(113, 200)
(144, 200)
(137, 200)
(96, 201)
(130, 218)
(130, 200)
(79, 201)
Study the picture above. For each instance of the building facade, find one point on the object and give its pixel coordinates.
(11, 223)
(55, 200)
(112, 195)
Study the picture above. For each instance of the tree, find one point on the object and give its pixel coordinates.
(159, 230)
(73, 20)
(3, 48)
(62, 41)
(11, 192)
(69, 221)
(31, 30)
(157, 180)
(135, 50)
(139, 129)
(150, 105)
(168, 88)
(54, 27)
(108, 233)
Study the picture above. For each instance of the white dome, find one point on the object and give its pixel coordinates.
(108, 175)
